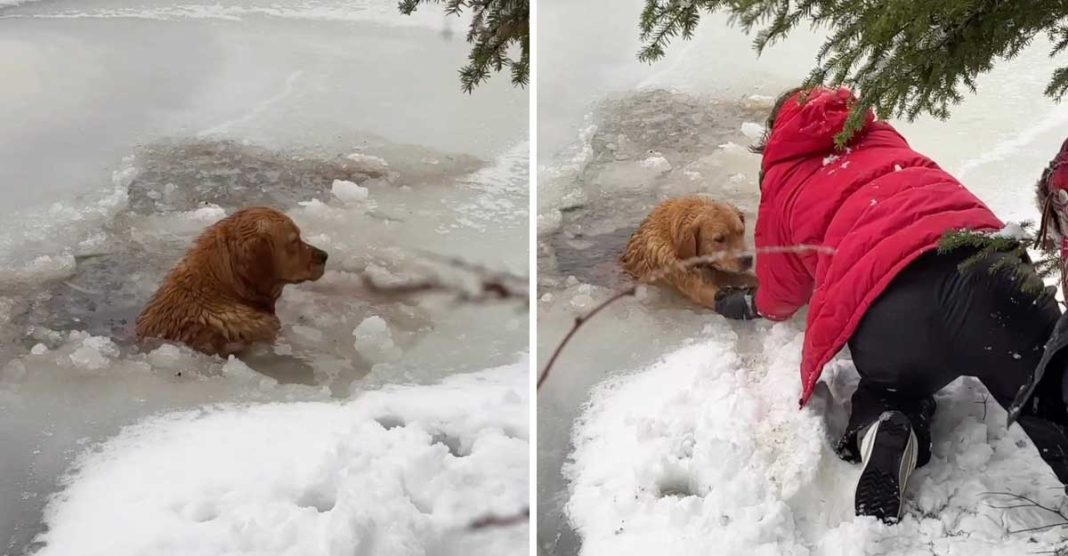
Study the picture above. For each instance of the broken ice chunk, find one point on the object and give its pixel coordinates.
(656, 163)
(93, 354)
(349, 192)
(369, 162)
(374, 341)
(752, 130)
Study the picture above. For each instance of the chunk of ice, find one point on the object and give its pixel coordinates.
(374, 341)
(349, 192)
(752, 130)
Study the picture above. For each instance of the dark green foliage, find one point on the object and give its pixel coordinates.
(1013, 258)
(904, 57)
(496, 25)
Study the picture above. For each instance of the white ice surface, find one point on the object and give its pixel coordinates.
(404, 470)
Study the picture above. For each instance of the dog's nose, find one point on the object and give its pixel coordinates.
(320, 255)
(746, 261)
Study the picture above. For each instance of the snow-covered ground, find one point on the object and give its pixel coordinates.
(665, 428)
(404, 470)
(128, 127)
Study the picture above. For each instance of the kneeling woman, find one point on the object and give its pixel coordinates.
(913, 321)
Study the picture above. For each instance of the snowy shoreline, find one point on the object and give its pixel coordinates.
(403, 470)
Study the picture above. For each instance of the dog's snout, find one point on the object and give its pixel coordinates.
(319, 255)
(746, 261)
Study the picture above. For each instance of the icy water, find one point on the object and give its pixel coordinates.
(616, 137)
(128, 127)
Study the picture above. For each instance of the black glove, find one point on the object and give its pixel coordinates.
(737, 303)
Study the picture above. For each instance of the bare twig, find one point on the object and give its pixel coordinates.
(1030, 504)
(579, 321)
(678, 265)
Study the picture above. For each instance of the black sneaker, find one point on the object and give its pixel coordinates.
(888, 452)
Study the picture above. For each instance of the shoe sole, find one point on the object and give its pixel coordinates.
(890, 454)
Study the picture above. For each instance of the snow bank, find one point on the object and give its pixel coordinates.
(398, 471)
(707, 453)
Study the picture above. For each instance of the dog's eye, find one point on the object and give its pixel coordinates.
(719, 238)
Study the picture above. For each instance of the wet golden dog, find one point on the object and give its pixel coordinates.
(221, 296)
(684, 228)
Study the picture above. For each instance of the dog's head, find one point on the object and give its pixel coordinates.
(266, 251)
(718, 230)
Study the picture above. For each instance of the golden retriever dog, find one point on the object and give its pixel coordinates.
(684, 228)
(221, 296)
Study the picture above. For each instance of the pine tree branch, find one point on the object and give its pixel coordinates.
(904, 57)
(497, 26)
(1001, 253)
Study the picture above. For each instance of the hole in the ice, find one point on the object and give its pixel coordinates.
(455, 445)
(321, 501)
(390, 422)
(203, 511)
(676, 485)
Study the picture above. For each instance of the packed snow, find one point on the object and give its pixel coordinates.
(130, 126)
(664, 428)
(705, 452)
(405, 470)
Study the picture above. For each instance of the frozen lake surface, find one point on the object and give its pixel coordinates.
(128, 127)
(666, 428)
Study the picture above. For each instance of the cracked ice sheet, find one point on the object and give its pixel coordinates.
(398, 471)
(701, 453)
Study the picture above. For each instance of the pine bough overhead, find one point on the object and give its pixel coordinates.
(496, 26)
(904, 57)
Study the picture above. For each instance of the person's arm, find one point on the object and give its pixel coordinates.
(785, 286)
(785, 283)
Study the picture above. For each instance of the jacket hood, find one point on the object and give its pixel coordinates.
(804, 129)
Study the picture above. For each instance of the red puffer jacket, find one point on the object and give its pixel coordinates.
(878, 204)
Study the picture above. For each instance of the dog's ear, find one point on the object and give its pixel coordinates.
(741, 215)
(254, 262)
(687, 245)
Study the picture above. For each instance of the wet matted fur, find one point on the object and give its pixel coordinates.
(221, 296)
(684, 228)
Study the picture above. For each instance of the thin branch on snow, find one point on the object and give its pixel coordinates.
(1030, 504)
(679, 265)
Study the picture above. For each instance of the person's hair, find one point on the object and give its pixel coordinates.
(1044, 195)
(761, 144)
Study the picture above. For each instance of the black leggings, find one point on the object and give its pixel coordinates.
(934, 324)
